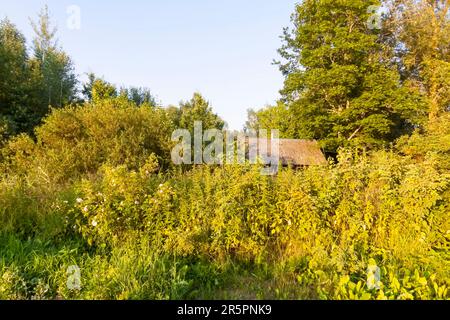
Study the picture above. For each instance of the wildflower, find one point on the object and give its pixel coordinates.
(79, 200)
(94, 223)
(85, 209)
(136, 202)
(373, 275)
(289, 222)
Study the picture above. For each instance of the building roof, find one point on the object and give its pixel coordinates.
(297, 152)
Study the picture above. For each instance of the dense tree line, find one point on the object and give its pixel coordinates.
(87, 181)
(350, 80)
(353, 81)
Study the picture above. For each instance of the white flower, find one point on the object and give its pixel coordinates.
(161, 185)
(136, 202)
(94, 223)
(85, 209)
(79, 200)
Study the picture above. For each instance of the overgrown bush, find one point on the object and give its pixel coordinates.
(76, 141)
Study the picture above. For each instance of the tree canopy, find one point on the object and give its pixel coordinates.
(350, 82)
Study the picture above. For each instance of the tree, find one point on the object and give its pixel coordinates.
(97, 89)
(86, 90)
(15, 110)
(102, 90)
(140, 96)
(339, 86)
(271, 117)
(196, 109)
(28, 86)
(420, 31)
(56, 82)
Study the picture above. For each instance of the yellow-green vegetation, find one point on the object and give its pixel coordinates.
(92, 207)
(84, 194)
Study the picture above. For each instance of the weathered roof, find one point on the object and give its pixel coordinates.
(297, 152)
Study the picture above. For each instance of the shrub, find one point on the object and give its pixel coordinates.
(336, 218)
(76, 141)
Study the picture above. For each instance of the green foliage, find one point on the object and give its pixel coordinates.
(76, 141)
(339, 86)
(15, 86)
(272, 117)
(53, 71)
(94, 187)
(102, 90)
(422, 30)
(96, 90)
(38, 270)
(434, 142)
(305, 234)
(196, 109)
(29, 85)
(140, 96)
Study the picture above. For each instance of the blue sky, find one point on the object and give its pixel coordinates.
(223, 49)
